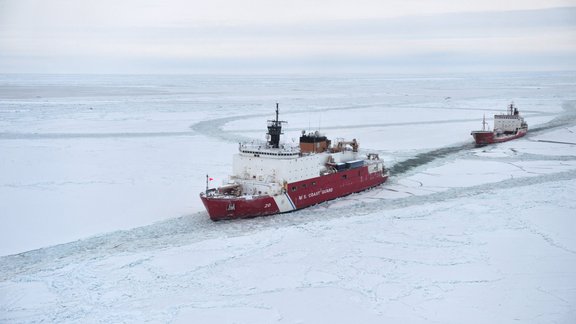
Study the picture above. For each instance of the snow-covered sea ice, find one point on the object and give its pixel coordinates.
(100, 219)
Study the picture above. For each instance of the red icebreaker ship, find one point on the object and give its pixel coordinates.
(506, 127)
(270, 177)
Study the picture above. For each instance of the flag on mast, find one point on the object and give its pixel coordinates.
(208, 179)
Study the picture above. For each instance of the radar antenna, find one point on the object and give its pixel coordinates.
(275, 130)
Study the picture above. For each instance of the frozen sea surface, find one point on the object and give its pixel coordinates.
(100, 219)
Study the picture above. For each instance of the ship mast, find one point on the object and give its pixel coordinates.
(484, 122)
(275, 130)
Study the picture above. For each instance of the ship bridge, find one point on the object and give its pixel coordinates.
(265, 150)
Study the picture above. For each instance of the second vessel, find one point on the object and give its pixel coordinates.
(506, 127)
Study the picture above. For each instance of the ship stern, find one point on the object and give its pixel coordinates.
(483, 137)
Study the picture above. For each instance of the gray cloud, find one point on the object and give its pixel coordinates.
(511, 40)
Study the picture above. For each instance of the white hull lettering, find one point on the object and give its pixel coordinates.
(316, 193)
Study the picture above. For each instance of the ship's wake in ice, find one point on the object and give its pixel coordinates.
(188, 229)
(458, 233)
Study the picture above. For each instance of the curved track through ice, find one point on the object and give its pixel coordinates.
(197, 227)
(213, 127)
(187, 229)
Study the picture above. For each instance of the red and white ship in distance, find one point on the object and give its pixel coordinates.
(272, 177)
(506, 127)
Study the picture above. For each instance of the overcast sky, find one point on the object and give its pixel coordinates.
(294, 36)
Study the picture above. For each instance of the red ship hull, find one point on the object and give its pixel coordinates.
(488, 137)
(220, 208)
(297, 195)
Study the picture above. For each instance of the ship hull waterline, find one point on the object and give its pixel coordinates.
(487, 137)
(296, 195)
